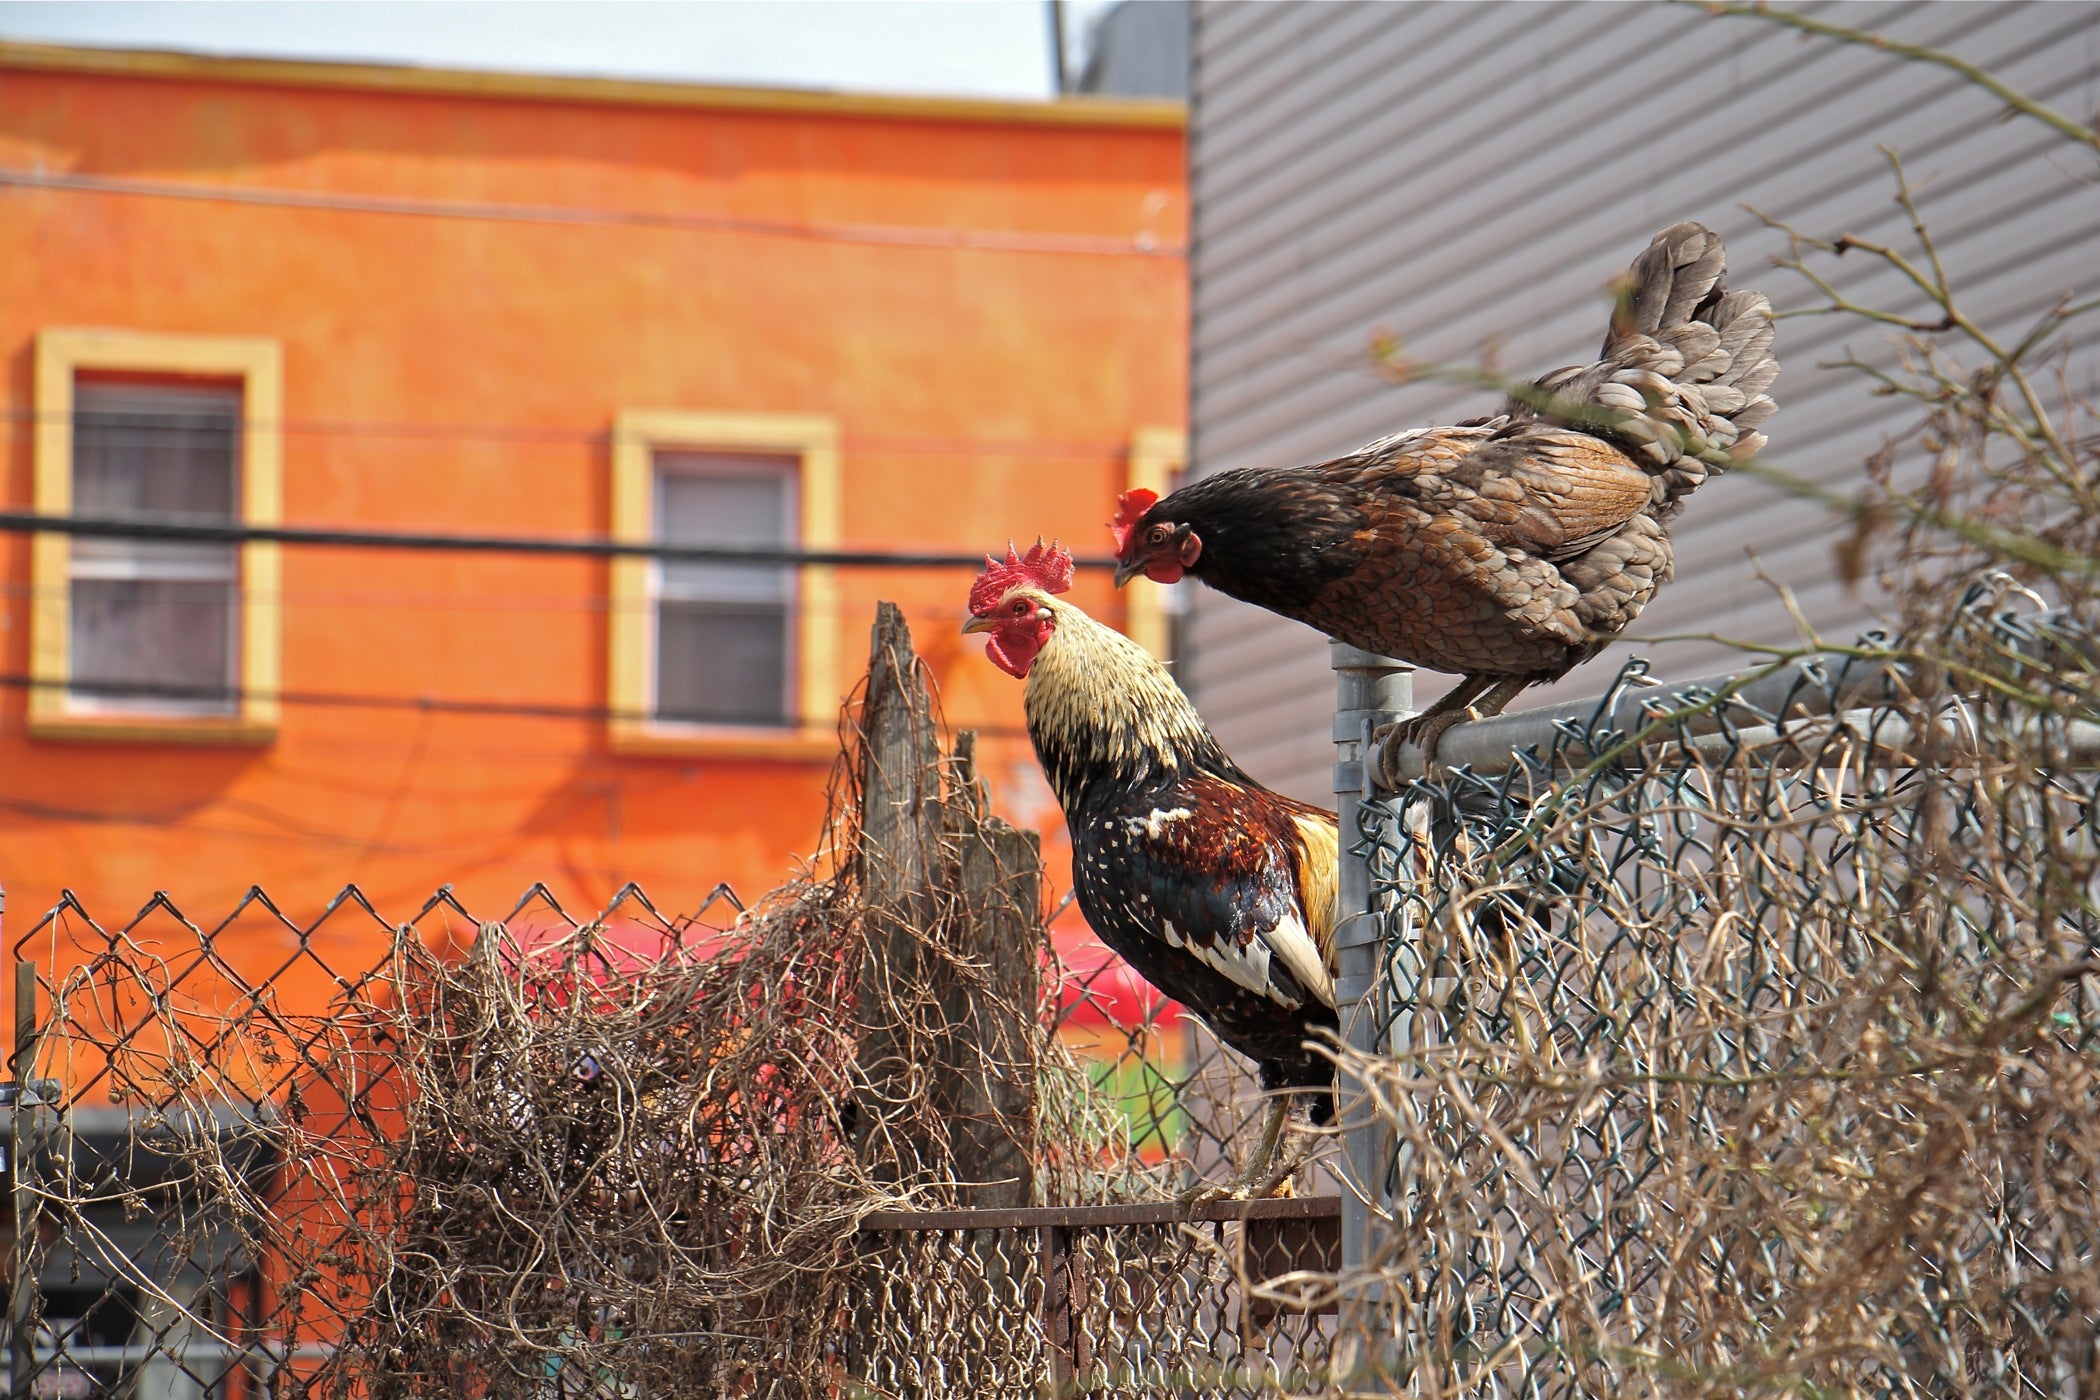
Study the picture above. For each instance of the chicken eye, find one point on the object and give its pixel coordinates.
(1158, 534)
(1020, 607)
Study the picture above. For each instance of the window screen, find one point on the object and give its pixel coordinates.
(153, 622)
(724, 651)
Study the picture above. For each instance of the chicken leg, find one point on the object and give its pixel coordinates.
(1474, 697)
(1282, 1150)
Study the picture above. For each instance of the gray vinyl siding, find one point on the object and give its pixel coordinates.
(1469, 177)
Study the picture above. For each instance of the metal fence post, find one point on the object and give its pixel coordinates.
(21, 1301)
(1370, 691)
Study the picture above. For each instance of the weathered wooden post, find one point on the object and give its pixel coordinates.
(896, 861)
(992, 1055)
(949, 984)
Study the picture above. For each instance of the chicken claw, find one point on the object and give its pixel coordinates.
(1423, 731)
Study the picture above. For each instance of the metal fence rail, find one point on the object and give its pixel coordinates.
(1760, 708)
(1120, 1300)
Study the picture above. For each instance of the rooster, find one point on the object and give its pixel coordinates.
(1509, 549)
(1218, 891)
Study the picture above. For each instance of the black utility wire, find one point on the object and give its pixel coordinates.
(920, 445)
(356, 700)
(141, 527)
(1139, 244)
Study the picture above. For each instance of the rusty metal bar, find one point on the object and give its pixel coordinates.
(21, 1301)
(1096, 1217)
(1059, 1317)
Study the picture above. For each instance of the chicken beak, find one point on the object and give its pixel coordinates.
(976, 624)
(1128, 569)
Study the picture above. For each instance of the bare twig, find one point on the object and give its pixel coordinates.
(2013, 98)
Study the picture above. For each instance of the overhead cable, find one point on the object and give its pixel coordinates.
(365, 700)
(975, 449)
(889, 235)
(216, 532)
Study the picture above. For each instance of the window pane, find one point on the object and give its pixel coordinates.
(723, 646)
(167, 451)
(140, 450)
(721, 663)
(154, 636)
(723, 500)
(154, 616)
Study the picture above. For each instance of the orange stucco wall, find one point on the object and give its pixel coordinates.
(450, 373)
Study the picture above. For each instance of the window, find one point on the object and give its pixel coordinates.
(713, 657)
(153, 639)
(724, 645)
(154, 623)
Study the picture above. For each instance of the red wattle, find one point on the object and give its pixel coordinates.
(1013, 650)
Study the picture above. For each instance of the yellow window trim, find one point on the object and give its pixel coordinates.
(1156, 454)
(814, 440)
(259, 365)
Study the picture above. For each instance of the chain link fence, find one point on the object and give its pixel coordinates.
(1738, 1039)
(483, 1163)
(864, 1136)
(1105, 1300)
(1741, 1038)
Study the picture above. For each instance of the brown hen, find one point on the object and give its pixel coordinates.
(1508, 549)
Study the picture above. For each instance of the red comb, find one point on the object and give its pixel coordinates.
(1047, 566)
(1130, 509)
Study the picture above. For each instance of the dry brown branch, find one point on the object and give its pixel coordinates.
(2086, 133)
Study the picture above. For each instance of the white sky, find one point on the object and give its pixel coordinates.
(985, 48)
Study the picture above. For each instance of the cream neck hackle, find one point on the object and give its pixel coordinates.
(1098, 703)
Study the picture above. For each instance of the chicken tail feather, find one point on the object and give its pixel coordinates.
(1684, 368)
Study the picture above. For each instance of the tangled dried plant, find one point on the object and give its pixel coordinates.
(639, 1174)
(629, 1158)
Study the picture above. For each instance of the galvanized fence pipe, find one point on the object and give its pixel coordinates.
(1739, 711)
(1370, 691)
(1723, 705)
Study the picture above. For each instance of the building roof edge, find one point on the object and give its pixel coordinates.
(632, 92)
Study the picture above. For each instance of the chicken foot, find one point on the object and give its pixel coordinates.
(1282, 1150)
(1474, 697)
